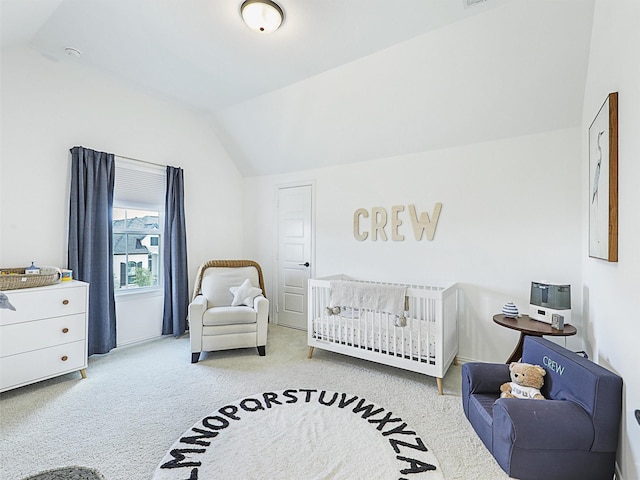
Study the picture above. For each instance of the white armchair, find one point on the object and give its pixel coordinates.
(227, 311)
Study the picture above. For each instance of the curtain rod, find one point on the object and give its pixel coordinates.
(141, 161)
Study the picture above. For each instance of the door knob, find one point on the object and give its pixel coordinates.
(305, 264)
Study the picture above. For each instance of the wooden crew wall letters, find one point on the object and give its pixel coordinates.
(380, 218)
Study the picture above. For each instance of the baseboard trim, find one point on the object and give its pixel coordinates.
(463, 360)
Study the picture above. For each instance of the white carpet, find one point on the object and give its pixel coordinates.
(297, 434)
(137, 401)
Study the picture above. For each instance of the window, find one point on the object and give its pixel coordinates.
(138, 215)
(136, 248)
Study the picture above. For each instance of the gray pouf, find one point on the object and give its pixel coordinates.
(67, 473)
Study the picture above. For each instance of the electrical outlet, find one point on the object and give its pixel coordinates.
(638, 416)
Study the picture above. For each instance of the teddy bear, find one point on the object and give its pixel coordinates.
(526, 381)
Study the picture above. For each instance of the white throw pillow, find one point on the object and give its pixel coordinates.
(244, 294)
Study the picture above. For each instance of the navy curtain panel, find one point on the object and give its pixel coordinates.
(176, 276)
(91, 241)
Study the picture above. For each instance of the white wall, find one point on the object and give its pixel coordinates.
(612, 329)
(511, 214)
(49, 107)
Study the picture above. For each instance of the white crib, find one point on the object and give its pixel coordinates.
(428, 343)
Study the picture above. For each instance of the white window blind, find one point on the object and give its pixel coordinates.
(139, 185)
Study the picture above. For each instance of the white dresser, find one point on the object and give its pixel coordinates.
(45, 336)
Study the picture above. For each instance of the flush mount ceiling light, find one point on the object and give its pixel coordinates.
(262, 16)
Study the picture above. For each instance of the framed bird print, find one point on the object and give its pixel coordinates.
(603, 181)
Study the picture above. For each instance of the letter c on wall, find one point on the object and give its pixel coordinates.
(361, 237)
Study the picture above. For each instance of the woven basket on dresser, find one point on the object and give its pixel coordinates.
(12, 278)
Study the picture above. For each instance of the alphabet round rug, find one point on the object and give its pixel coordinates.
(300, 434)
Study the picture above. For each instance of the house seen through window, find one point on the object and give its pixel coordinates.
(136, 248)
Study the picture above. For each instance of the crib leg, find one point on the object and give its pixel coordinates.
(439, 382)
(310, 352)
(455, 361)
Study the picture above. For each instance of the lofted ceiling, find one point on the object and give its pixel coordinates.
(342, 80)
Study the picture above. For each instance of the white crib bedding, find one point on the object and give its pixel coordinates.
(377, 331)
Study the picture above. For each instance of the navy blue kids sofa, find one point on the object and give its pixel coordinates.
(571, 435)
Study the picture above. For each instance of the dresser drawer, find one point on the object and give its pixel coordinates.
(29, 367)
(27, 336)
(45, 302)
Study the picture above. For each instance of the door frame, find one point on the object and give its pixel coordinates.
(276, 236)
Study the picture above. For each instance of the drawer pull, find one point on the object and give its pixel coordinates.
(64, 358)
(65, 302)
(65, 330)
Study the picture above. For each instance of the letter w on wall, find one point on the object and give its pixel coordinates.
(424, 223)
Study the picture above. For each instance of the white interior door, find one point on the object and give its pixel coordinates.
(294, 254)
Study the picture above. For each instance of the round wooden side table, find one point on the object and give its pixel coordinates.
(527, 326)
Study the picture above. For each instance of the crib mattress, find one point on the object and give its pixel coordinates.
(377, 331)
